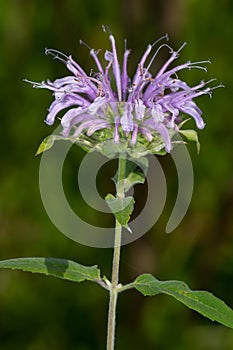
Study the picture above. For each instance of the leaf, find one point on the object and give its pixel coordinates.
(135, 173)
(191, 135)
(47, 143)
(61, 268)
(110, 149)
(157, 147)
(201, 301)
(184, 122)
(122, 208)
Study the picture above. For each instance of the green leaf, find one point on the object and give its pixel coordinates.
(122, 208)
(48, 143)
(110, 149)
(135, 173)
(45, 145)
(201, 301)
(191, 135)
(61, 268)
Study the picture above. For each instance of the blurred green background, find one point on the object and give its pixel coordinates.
(41, 313)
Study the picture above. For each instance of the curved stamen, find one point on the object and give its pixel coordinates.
(139, 72)
(195, 65)
(175, 55)
(33, 83)
(201, 62)
(42, 85)
(160, 39)
(198, 67)
(218, 86)
(93, 53)
(57, 55)
(156, 53)
(210, 81)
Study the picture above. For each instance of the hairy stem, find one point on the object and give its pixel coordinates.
(116, 260)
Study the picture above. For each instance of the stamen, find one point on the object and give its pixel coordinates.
(160, 39)
(81, 42)
(29, 81)
(125, 45)
(156, 53)
(94, 54)
(198, 67)
(218, 86)
(210, 81)
(201, 62)
(35, 84)
(106, 29)
(182, 46)
(57, 55)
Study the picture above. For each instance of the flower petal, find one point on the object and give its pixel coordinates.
(191, 109)
(127, 122)
(56, 107)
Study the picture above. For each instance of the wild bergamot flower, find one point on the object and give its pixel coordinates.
(108, 105)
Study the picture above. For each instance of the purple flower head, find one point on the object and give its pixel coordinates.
(107, 104)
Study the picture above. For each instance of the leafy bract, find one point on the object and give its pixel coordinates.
(121, 208)
(191, 135)
(49, 141)
(135, 173)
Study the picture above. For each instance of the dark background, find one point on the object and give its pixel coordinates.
(41, 313)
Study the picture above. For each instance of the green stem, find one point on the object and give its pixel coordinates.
(116, 260)
(113, 289)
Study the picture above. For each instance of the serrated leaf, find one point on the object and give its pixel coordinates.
(61, 268)
(191, 135)
(122, 208)
(201, 301)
